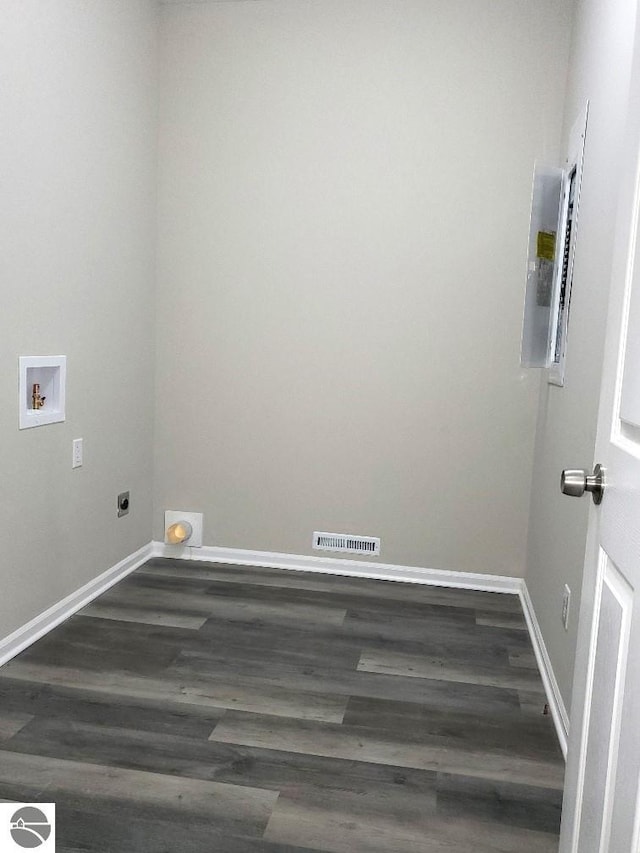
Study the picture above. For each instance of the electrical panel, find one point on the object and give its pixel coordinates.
(552, 238)
(546, 198)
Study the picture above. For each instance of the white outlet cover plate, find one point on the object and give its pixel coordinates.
(172, 516)
(77, 453)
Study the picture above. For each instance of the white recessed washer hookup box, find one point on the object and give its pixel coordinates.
(41, 390)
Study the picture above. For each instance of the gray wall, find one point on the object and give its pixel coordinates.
(600, 61)
(77, 218)
(344, 199)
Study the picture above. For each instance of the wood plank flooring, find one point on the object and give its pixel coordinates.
(203, 708)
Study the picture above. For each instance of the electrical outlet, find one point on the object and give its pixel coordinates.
(123, 504)
(566, 606)
(76, 456)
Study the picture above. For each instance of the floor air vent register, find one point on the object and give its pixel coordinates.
(346, 543)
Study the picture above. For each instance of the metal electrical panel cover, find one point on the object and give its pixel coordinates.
(542, 265)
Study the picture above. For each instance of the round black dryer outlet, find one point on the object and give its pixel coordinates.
(123, 504)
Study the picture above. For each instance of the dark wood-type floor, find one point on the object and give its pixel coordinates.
(201, 708)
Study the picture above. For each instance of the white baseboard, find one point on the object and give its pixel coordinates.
(554, 697)
(14, 643)
(350, 568)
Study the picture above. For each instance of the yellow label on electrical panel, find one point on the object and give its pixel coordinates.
(546, 248)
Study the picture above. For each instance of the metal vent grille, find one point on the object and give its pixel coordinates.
(346, 543)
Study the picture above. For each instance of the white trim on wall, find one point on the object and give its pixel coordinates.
(554, 697)
(351, 568)
(14, 643)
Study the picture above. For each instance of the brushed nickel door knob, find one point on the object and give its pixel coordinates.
(575, 482)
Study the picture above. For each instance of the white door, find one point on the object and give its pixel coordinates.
(602, 791)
